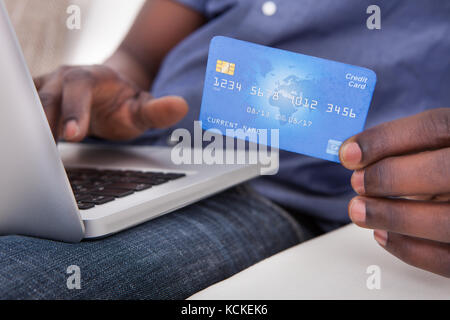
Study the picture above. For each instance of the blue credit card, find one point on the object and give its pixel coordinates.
(315, 103)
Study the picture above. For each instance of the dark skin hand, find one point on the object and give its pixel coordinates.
(402, 176)
(112, 101)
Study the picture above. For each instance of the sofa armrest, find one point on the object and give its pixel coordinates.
(333, 266)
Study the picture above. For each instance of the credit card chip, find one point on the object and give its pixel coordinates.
(225, 67)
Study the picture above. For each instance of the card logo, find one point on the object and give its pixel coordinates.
(333, 147)
(225, 67)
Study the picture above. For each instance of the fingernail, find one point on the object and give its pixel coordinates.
(351, 154)
(71, 130)
(358, 181)
(358, 211)
(381, 237)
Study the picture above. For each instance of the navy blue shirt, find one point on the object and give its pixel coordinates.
(410, 54)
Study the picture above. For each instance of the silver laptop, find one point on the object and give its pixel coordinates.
(74, 191)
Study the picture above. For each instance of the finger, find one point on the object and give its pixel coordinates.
(425, 254)
(50, 96)
(39, 82)
(425, 173)
(425, 131)
(158, 113)
(423, 219)
(76, 107)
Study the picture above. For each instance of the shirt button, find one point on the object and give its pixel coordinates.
(269, 8)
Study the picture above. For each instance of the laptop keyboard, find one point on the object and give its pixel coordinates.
(93, 187)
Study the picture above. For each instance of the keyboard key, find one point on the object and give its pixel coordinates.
(129, 186)
(85, 206)
(109, 192)
(175, 176)
(98, 200)
(143, 180)
(80, 189)
(80, 196)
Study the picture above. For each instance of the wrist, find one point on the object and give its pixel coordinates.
(130, 68)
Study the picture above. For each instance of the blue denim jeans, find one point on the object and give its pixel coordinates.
(171, 257)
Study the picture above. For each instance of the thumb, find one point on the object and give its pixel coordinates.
(162, 112)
